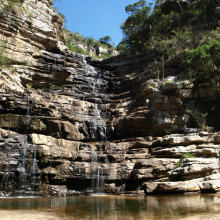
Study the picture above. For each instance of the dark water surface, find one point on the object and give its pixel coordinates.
(120, 207)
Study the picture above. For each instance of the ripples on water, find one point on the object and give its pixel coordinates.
(120, 207)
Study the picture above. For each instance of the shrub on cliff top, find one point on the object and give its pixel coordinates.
(76, 49)
(145, 23)
(202, 64)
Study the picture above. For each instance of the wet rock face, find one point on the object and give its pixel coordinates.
(71, 124)
(19, 164)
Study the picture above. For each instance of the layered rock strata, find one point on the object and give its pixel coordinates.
(70, 124)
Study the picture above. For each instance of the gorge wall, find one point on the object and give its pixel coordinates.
(71, 124)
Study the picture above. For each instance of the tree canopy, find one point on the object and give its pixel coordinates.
(147, 22)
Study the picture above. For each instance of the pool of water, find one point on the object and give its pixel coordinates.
(120, 207)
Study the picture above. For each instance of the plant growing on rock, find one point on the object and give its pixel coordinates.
(106, 40)
(162, 32)
(8, 5)
(202, 64)
(44, 126)
(199, 117)
(172, 129)
(4, 60)
(77, 43)
(76, 49)
(29, 86)
(184, 156)
(52, 86)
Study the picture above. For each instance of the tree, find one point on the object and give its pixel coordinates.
(135, 28)
(132, 9)
(121, 47)
(105, 40)
(90, 41)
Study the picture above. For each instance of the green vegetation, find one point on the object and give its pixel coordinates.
(25, 62)
(184, 156)
(163, 33)
(77, 49)
(84, 45)
(104, 55)
(106, 40)
(145, 25)
(8, 5)
(29, 86)
(77, 43)
(4, 60)
(199, 117)
(62, 16)
(205, 114)
(190, 32)
(44, 126)
(171, 130)
(52, 86)
(202, 64)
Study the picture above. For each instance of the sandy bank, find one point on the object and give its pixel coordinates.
(203, 217)
(28, 215)
(43, 215)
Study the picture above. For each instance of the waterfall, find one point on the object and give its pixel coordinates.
(6, 174)
(94, 168)
(28, 166)
(34, 168)
(98, 172)
(19, 167)
(94, 83)
(22, 167)
(96, 127)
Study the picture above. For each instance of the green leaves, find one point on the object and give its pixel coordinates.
(4, 60)
(76, 49)
(9, 5)
(184, 156)
(106, 40)
(136, 7)
(199, 116)
(145, 24)
(135, 27)
(203, 63)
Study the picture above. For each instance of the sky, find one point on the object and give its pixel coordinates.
(95, 18)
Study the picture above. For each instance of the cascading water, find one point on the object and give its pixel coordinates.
(22, 166)
(98, 170)
(97, 127)
(27, 167)
(95, 117)
(19, 168)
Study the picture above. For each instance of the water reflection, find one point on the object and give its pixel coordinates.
(120, 207)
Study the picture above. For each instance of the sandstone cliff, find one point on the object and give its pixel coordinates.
(72, 124)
